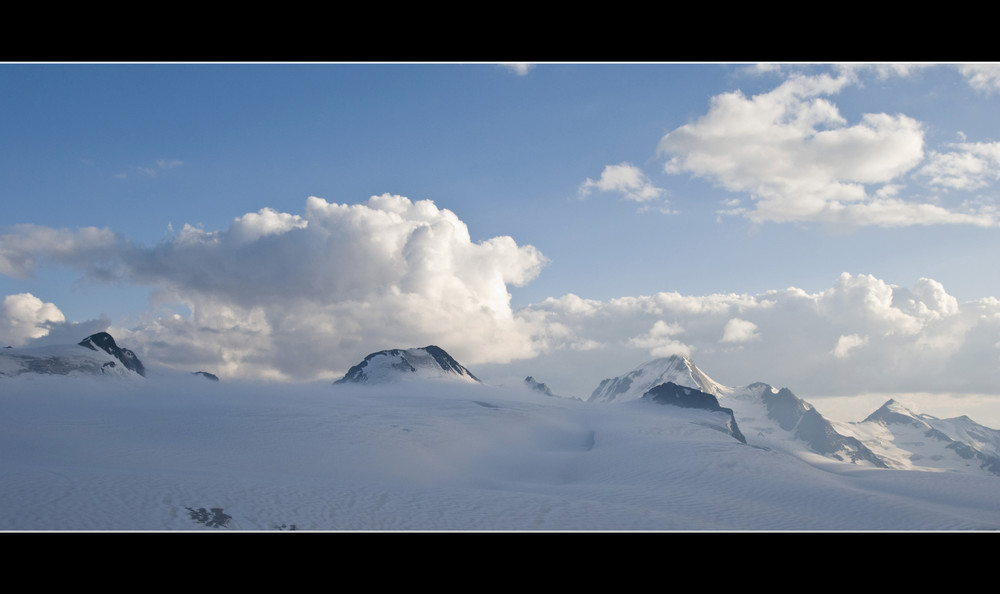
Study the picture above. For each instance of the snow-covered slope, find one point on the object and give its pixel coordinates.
(181, 453)
(430, 362)
(923, 442)
(779, 419)
(678, 369)
(97, 354)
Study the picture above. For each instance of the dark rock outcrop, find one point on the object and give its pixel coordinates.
(684, 397)
(104, 341)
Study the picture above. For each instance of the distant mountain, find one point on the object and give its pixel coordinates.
(430, 362)
(684, 397)
(537, 386)
(769, 417)
(105, 342)
(912, 440)
(678, 369)
(207, 375)
(764, 407)
(97, 354)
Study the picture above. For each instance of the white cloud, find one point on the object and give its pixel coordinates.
(626, 179)
(518, 68)
(969, 166)
(916, 338)
(281, 295)
(24, 317)
(982, 76)
(660, 342)
(738, 330)
(798, 158)
(846, 344)
(304, 296)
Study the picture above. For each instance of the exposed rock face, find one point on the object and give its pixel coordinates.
(807, 424)
(105, 342)
(430, 362)
(684, 397)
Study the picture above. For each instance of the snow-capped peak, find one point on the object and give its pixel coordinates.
(679, 369)
(430, 362)
(97, 354)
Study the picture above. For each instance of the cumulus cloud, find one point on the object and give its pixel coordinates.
(283, 295)
(660, 342)
(846, 344)
(24, 317)
(738, 330)
(916, 338)
(625, 179)
(304, 296)
(799, 159)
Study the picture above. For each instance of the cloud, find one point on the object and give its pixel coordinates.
(982, 77)
(846, 344)
(916, 338)
(660, 342)
(969, 166)
(25, 247)
(518, 68)
(292, 296)
(625, 179)
(799, 159)
(738, 330)
(304, 296)
(24, 317)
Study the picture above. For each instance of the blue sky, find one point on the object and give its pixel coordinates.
(586, 191)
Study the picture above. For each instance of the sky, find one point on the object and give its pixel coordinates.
(830, 228)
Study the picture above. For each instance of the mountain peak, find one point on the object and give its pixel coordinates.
(893, 412)
(105, 342)
(99, 355)
(679, 369)
(429, 362)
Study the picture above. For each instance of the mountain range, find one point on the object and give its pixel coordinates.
(891, 437)
(757, 415)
